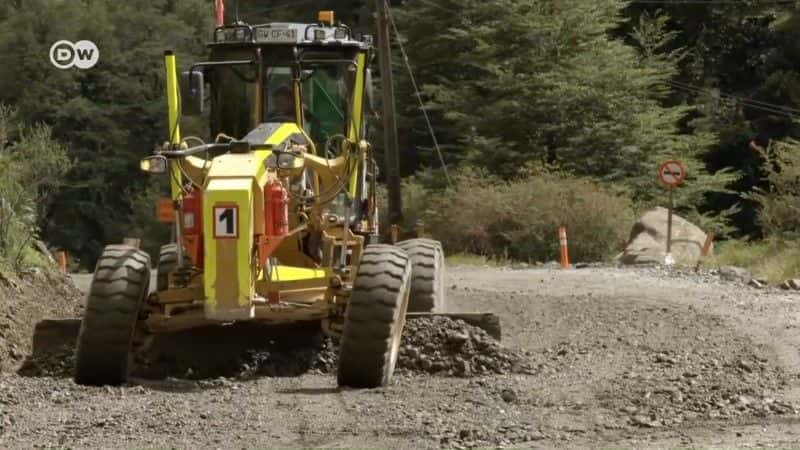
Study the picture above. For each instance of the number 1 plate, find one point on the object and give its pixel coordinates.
(226, 221)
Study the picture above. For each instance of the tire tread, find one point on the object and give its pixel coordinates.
(427, 259)
(375, 314)
(119, 285)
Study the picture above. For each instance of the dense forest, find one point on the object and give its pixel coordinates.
(583, 94)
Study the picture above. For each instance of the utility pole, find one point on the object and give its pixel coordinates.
(390, 141)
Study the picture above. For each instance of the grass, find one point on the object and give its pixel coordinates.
(774, 259)
(27, 258)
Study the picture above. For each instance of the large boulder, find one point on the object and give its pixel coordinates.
(647, 243)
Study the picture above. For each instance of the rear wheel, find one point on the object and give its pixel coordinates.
(119, 286)
(427, 279)
(167, 263)
(375, 318)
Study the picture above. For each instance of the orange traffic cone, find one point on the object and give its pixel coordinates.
(562, 242)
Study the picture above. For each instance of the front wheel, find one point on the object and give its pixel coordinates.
(120, 284)
(167, 263)
(427, 279)
(375, 318)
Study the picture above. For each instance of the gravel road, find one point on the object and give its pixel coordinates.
(610, 357)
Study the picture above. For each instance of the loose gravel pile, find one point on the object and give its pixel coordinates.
(444, 346)
(437, 345)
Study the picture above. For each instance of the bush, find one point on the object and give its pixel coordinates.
(777, 256)
(416, 197)
(520, 219)
(32, 166)
(779, 204)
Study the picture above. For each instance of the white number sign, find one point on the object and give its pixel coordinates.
(226, 221)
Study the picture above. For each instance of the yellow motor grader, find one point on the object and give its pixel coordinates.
(276, 217)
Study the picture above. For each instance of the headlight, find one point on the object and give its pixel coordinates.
(153, 164)
(240, 34)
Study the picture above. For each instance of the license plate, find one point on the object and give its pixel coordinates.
(276, 35)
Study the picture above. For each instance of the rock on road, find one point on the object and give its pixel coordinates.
(618, 357)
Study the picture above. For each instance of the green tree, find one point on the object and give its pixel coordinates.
(517, 83)
(108, 116)
(740, 68)
(32, 165)
(354, 13)
(779, 202)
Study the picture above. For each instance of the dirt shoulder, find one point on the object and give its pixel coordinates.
(612, 357)
(27, 298)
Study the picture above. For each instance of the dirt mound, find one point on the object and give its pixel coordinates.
(26, 299)
(440, 345)
(437, 345)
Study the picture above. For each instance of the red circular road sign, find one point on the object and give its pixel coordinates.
(671, 173)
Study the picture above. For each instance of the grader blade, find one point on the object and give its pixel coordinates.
(52, 335)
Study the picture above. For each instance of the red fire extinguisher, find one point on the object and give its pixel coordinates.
(276, 208)
(192, 212)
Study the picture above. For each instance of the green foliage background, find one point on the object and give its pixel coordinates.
(107, 117)
(600, 90)
(547, 83)
(33, 165)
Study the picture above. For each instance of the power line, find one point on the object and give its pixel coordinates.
(747, 99)
(763, 106)
(750, 103)
(399, 39)
(732, 98)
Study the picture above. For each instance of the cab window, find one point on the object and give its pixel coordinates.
(326, 93)
(234, 100)
(278, 95)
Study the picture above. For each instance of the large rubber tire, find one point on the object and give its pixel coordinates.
(427, 280)
(119, 286)
(167, 263)
(375, 318)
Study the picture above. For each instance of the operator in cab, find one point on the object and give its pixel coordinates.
(281, 107)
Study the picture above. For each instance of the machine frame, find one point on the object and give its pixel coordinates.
(303, 289)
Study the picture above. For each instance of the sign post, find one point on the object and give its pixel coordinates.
(671, 174)
(669, 221)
